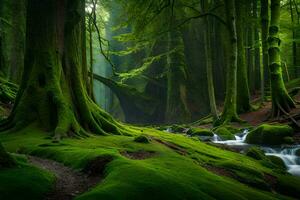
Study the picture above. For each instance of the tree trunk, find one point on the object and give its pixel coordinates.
(177, 108)
(230, 109)
(243, 95)
(53, 91)
(209, 70)
(264, 15)
(282, 103)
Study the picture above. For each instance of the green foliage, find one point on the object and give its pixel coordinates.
(269, 134)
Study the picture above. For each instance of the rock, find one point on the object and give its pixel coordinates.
(177, 128)
(288, 140)
(224, 133)
(255, 153)
(200, 132)
(298, 152)
(277, 161)
(269, 134)
(141, 139)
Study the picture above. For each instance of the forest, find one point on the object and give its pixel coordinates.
(149, 99)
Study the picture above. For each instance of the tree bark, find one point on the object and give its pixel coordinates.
(243, 94)
(53, 91)
(209, 70)
(230, 108)
(264, 15)
(177, 108)
(282, 103)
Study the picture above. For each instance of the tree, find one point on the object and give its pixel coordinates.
(282, 103)
(230, 107)
(52, 91)
(176, 108)
(243, 94)
(264, 15)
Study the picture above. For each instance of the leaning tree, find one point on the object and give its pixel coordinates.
(53, 88)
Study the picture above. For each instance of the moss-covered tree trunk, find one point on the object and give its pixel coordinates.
(243, 94)
(12, 23)
(281, 101)
(230, 108)
(209, 70)
(264, 16)
(53, 91)
(177, 108)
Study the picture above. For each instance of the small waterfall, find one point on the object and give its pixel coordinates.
(216, 138)
(289, 157)
(239, 139)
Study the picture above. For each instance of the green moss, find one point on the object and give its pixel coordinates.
(288, 185)
(255, 153)
(177, 128)
(200, 132)
(25, 182)
(269, 134)
(141, 139)
(176, 171)
(6, 161)
(224, 133)
(288, 140)
(277, 161)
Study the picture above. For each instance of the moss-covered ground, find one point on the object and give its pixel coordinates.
(178, 168)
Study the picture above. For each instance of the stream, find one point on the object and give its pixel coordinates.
(287, 154)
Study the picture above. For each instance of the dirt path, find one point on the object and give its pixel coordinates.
(69, 183)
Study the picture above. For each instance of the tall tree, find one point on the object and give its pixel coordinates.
(243, 94)
(282, 103)
(230, 107)
(52, 91)
(176, 108)
(264, 15)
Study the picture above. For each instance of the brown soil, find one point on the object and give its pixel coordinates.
(69, 183)
(259, 116)
(138, 155)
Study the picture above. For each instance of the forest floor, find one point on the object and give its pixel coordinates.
(164, 166)
(169, 166)
(69, 183)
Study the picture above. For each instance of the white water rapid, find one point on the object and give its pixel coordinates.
(289, 157)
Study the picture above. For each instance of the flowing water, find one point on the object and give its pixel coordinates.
(287, 154)
(289, 157)
(239, 139)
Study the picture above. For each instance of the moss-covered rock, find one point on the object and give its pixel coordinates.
(200, 132)
(256, 153)
(298, 152)
(142, 139)
(6, 160)
(224, 133)
(288, 140)
(177, 128)
(269, 134)
(277, 161)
